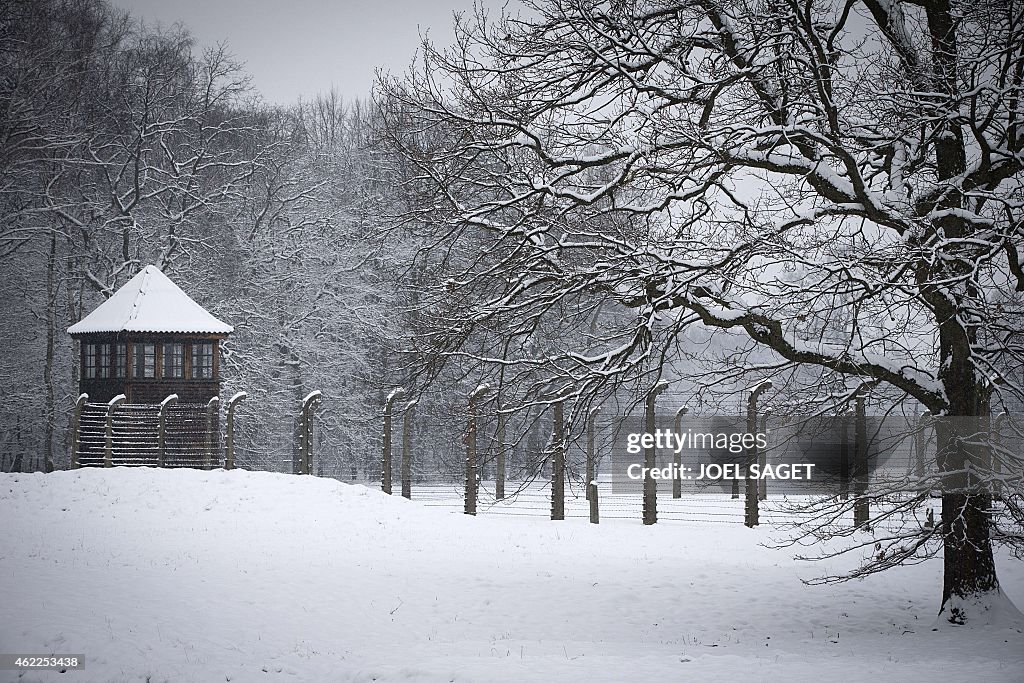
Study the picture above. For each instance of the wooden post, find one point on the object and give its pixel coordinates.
(591, 450)
(470, 441)
(677, 481)
(161, 434)
(229, 445)
(558, 462)
(650, 509)
(108, 448)
(212, 429)
(861, 504)
(595, 516)
(385, 469)
(762, 458)
(500, 465)
(305, 431)
(751, 517)
(407, 427)
(76, 420)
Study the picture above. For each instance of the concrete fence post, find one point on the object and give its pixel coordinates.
(591, 447)
(861, 502)
(751, 516)
(385, 464)
(650, 509)
(229, 445)
(161, 434)
(677, 482)
(470, 441)
(762, 457)
(212, 429)
(407, 427)
(844, 454)
(108, 447)
(558, 462)
(76, 423)
(309, 404)
(595, 515)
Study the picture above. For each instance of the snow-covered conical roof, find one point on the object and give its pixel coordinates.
(150, 302)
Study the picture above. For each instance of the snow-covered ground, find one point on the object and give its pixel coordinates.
(181, 575)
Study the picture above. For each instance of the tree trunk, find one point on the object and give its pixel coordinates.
(51, 324)
(558, 462)
(969, 570)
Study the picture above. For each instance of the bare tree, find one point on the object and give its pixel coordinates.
(833, 187)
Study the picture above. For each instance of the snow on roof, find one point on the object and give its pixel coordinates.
(150, 302)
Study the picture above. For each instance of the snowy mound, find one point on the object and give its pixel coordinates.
(180, 575)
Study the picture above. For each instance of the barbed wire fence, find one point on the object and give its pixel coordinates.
(536, 478)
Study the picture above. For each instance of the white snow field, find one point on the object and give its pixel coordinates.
(183, 575)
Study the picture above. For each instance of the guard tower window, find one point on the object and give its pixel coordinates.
(103, 361)
(90, 361)
(174, 360)
(202, 361)
(145, 361)
(120, 361)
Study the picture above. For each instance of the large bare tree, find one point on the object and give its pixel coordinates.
(837, 182)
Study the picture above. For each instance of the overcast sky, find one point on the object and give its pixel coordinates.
(301, 47)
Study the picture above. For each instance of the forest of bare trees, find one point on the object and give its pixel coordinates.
(123, 145)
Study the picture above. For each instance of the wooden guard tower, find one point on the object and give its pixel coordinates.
(148, 342)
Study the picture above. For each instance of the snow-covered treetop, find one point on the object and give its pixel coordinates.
(150, 302)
